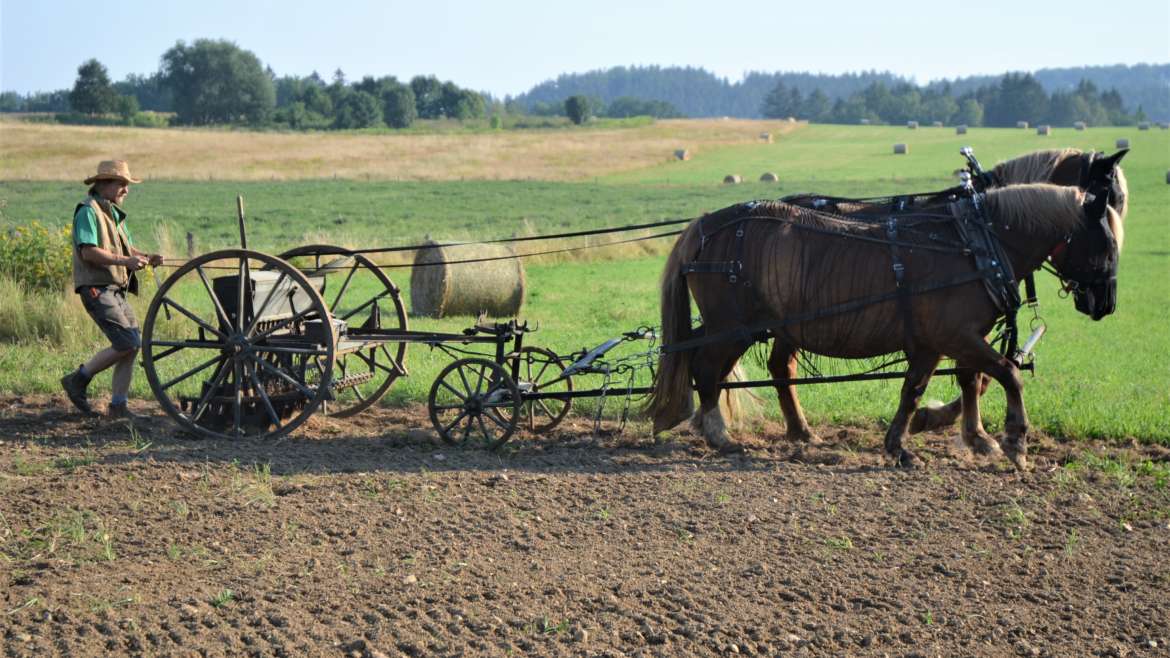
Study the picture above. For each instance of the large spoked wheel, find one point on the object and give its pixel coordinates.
(225, 360)
(474, 401)
(358, 292)
(538, 371)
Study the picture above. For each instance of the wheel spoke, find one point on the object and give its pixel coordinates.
(466, 384)
(199, 368)
(199, 321)
(547, 411)
(165, 353)
(216, 382)
(496, 418)
(237, 398)
(264, 396)
(487, 436)
(480, 377)
(459, 395)
(199, 344)
(452, 424)
(366, 303)
(344, 285)
(223, 317)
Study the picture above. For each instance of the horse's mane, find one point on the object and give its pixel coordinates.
(1115, 225)
(1037, 207)
(1038, 166)
(1035, 167)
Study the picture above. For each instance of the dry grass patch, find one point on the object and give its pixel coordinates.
(31, 151)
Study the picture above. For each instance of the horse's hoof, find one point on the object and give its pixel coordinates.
(728, 448)
(805, 437)
(984, 445)
(908, 460)
(1017, 455)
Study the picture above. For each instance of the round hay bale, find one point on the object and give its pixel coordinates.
(864, 122)
(1123, 143)
(936, 124)
(769, 177)
(912, 125)
(1144, 125)
(961, 129)
(901, 149)
(766, 138)
(1022, 124)
(682, 154)
(1164, 125)
(791, 119)
(1079, 125)
(1043, 131)
(732, 179)
(441, 288)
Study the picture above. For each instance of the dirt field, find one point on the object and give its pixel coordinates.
(367, 538)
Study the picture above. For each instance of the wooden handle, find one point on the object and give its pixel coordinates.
(240, 214)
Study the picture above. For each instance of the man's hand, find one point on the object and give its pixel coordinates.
(156, 260)
(135, 263)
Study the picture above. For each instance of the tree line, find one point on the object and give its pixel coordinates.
(696, 92)
(213, 82)
(1015, 97)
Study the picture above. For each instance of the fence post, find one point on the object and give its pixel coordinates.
(190, 245)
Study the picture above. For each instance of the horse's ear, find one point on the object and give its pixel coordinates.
(1112, 160)
(1103, 167)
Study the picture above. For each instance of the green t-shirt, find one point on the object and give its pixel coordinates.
(85, 230)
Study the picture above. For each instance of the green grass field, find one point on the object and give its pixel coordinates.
(1109, 379)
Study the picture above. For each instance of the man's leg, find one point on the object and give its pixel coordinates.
(123, 373)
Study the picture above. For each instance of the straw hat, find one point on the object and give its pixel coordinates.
(112, 170)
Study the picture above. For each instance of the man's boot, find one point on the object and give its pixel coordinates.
(121, 411)
(75, 384)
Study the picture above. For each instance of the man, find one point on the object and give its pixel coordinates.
(104, 266)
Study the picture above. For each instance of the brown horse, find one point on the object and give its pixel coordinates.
(1069, 167)
(803, 264)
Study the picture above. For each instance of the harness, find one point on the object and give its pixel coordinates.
(976, 241)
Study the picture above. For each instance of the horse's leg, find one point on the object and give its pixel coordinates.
(933, 418)
(1015, 422)
(710, 365)
(782, 365)
(918, 374)
(973, 384)
(975, 352)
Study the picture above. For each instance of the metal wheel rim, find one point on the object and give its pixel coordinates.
(334, 408)
(527, 418)
(149, 344)
(458, 422)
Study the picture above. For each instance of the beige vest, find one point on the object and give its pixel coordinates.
(111, 238)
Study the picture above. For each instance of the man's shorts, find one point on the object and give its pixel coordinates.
(112, 313)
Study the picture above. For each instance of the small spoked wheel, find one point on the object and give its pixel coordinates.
(538, 371)
(225, 360)
(358, 292)
(475, 402)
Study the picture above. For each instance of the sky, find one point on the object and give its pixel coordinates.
(506, 47)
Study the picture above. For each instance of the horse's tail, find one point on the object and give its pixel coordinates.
(671, 400)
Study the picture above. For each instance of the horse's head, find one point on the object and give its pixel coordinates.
(1087, 262)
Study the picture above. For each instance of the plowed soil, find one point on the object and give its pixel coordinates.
(370, 538)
